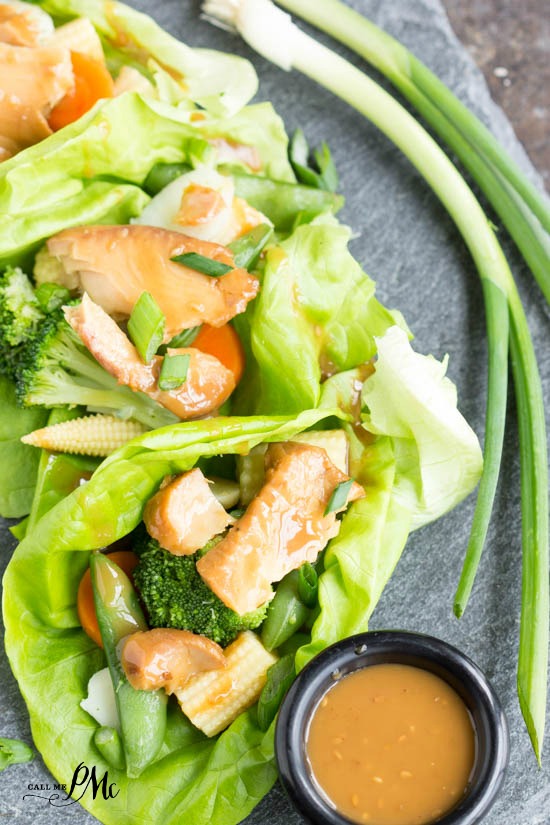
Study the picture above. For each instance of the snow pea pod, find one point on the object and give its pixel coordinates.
(280, 201)
(109, 744)
(142, 713)
(308, 584)
(286, 614)
(162, 174)
(279, 678)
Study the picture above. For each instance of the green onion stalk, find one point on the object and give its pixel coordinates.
(270, 32)
(524, 211)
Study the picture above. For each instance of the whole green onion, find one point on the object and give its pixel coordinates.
(523, 209)
(146, 326)
(289, 48)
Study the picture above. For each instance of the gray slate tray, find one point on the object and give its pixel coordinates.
(422, 267)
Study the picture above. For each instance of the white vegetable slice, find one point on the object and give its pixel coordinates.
(101, 702)
(229, 218)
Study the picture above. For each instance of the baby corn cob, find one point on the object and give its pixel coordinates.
(97, 435)
(212, 700)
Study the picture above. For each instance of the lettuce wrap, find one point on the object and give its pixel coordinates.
(322, 353)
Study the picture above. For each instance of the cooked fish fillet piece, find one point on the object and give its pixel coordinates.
(79, 36)
(20, 126)
(207, 385)
(36, 78)
(167, 658)
(185, 515)
(284, 526)
(22, 24)
(115, 264)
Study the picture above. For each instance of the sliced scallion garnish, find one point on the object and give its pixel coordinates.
(339, 496)
(183, 339)
(200, 263)
(246, 249)
(146, 326)
(173, 371)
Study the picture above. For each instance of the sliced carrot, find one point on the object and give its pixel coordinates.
(127, 561)
(92, 83)
(224, 344)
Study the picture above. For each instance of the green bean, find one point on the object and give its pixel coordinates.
(279, 678)
(286, 614)
(308, 584)
(246, 249)
(142, 713)
(109, 744)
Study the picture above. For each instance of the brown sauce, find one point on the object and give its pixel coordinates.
(391, 744)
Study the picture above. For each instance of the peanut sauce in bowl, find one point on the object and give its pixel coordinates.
(391, 728)
(391, 744)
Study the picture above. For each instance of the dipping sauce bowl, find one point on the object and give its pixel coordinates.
(311, 692)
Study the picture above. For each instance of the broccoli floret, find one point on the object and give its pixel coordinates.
(20, 316)
(56, 369)
(175, 595)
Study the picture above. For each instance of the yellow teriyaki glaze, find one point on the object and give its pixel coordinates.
(391, 744)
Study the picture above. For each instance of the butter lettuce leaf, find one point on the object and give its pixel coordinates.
(19, 462)
(316, 315)
(410, 399)
(91, 171)
(221, 83)
(193, 778)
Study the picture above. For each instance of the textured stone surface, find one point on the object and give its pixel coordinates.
(409, 245)
(510, 42)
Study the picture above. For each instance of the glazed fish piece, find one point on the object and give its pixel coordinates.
(115, 264)
(284, 526)
(208, 383)
(20, 126)
(24, 25)
(184, 515)
(167, 658)
(37, 78)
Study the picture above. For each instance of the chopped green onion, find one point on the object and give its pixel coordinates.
(51, 296)
(208, 266)
(146, 326)
(183, 339)
(339, 496)
(173, 371)
(246, 249)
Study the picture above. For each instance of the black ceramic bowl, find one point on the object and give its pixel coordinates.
(405, 648)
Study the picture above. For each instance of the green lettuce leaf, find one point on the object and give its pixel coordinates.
(316, 314)
(19, 462)
(415, 456)
(91, 171)
(193, 778)
(221, 83)
(409, 399)
(358, 563)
